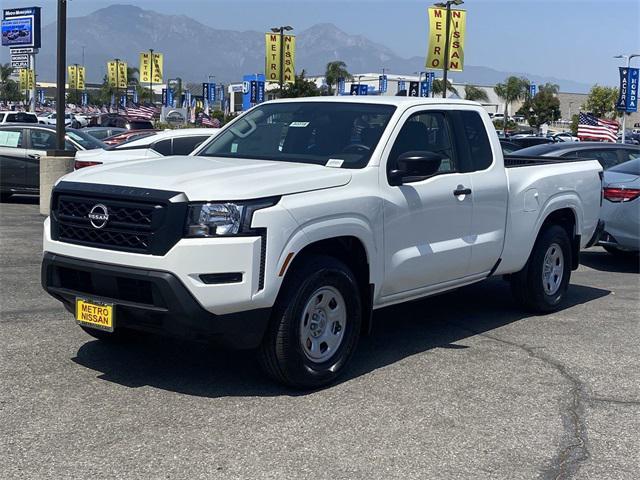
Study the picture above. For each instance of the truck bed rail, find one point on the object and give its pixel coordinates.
(512, 161)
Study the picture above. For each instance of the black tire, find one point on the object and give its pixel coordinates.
(281, 352)
(5, 196)
(527, 285)
(619, 252)
(117, 336)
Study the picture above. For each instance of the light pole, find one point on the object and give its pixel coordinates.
(624, 113)
(61, 70)
(447, 5)
(281, 30)
(151, 76)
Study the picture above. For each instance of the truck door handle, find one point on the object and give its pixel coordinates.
(35, 156)
(462, 191)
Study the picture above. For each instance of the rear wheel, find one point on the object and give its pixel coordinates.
(315, 324)
(542, 284)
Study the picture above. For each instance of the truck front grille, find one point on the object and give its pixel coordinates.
(149, 226)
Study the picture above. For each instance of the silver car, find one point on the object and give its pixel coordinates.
(621, 208)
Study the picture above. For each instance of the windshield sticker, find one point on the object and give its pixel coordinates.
(299, 124)
(234, 148)
(334, 162)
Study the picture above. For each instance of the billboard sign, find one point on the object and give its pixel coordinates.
(20, 60)
(21, 27)
(437, 37)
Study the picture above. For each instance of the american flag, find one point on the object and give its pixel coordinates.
(141, 111)
(208, 122)
(592, 128)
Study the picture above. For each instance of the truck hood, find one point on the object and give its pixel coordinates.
(215, 178)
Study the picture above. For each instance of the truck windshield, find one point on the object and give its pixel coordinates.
(340, 134)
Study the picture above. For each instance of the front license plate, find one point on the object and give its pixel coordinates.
(94, 314)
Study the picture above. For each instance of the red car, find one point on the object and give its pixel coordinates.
(128, 135)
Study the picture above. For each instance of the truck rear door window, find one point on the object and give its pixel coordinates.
(480, 153)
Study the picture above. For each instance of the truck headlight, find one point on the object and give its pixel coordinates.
(223, 219)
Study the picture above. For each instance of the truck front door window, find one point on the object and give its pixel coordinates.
(426, 131)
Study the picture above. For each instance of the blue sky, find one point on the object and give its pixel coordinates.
(571, 39)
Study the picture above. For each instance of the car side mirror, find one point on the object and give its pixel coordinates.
(415, 166)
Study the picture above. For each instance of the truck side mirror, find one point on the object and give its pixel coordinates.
(415, 166)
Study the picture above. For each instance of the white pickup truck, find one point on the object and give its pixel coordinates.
(285, 231)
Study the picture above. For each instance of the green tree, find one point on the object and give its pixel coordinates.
(475, 94)
(552, 88)
(574, 125)
(9, 88)
(334, 72)
(513, 89)
(437, 87)
(602, 101)
(543, 108)
(300, 88)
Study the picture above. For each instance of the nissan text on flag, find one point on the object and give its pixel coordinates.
(286, 230)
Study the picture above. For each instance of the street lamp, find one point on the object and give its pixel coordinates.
(447, 5)
(281, 30)
(624, 116)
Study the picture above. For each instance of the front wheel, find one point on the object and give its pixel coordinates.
(542, 284)
(315, 324)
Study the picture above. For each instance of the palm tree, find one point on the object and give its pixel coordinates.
(512, 89)
(9, 89)
(334, 72)
(437, 87)
(552, 88)
(475, 94)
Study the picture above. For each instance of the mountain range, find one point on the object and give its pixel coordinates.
(193, 50)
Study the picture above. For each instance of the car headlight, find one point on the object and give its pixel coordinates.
(223, 219)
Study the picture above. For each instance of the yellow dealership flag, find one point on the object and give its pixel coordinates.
(27, 79)
(76, 77)
(273, 60)
(151, 67)
(437, 37)
(117, 74)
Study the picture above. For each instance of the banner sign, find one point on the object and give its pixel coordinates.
(628, 93)
(84, 99)
(135, 96)
(117, 74)
(211, 93)
(341, 86)
(355, 90)
(164, 97)
(170, 99)
(437, 34)
(151, 67)
(27, 79)
(413, 89)
(221, 93)
(401, 85)
(76, 76)
(273, 61)
(21, 27)
(383, 83)
(533, 90)
(41, 95)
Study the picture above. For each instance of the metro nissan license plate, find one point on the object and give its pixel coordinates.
(94, 314)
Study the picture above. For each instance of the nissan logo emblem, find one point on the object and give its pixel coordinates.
(98, 216)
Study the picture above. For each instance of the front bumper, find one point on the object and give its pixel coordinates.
(149, 300)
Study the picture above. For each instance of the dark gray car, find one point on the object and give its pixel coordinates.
(608, 154)
(22, 145)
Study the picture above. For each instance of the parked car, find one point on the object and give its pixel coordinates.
(302, 216)
(608, 154)
(70, 120)
(161, 144)
(22, 146)
(509, 147)
(18, 117)
(529, 141)
(621, 208)
(122, 121)
(102, 133)
(565, 137)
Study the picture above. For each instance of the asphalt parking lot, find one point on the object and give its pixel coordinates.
(463, 385)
